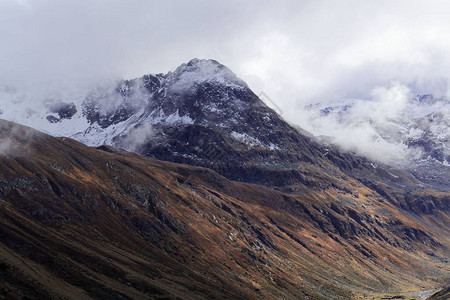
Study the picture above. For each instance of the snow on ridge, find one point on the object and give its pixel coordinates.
(201, 70)
(159, 117)
(246, 139)
(30, 110)
(252, 141)
(95, 135)
(176, 119)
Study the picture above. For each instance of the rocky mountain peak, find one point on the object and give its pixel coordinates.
(197, 72)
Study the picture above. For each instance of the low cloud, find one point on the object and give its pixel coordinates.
(14, 139)
(5, 146)
(371, 127)
(137, 137)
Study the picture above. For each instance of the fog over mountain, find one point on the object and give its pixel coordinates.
(297, 52)
(383, 126)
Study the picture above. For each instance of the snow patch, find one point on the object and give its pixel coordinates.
(198, 71)
(246, 139)
(176, 119)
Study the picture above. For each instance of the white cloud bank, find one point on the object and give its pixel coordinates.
(380, 125)
(298, 52)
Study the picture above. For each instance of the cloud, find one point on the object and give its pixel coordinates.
(298, 52)
(14, 139)
(137, 137)
(386, 103)
(5, 146)
(375, 127)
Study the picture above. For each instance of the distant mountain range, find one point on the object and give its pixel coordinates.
(421, 129)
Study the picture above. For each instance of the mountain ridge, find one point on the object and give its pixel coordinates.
(239, 204)
(217, 122)
(87, 218)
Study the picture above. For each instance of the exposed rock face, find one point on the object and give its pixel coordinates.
(201, 114)
(434, 145)
(80, 222)
(62, 110)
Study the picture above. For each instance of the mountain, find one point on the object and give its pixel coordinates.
(200, 114)
(80, 222)
(256, 209)
(420, 130)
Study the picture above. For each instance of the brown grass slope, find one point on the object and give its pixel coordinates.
(79, 223)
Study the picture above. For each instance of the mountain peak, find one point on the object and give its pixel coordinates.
(197, 61)
(198, 71)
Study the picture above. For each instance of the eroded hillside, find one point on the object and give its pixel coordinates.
(81, 222)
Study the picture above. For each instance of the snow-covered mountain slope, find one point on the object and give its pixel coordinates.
(56, 114)
(116, 109)
(200, 114)
(416, 135)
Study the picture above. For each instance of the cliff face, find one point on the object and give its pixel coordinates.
(83, 222)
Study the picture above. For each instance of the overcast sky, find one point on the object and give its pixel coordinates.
(296, 51)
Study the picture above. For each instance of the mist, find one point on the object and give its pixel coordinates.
(5, 146)
(15, 140)
(296, 52)
(356, 125)
(137, 137)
